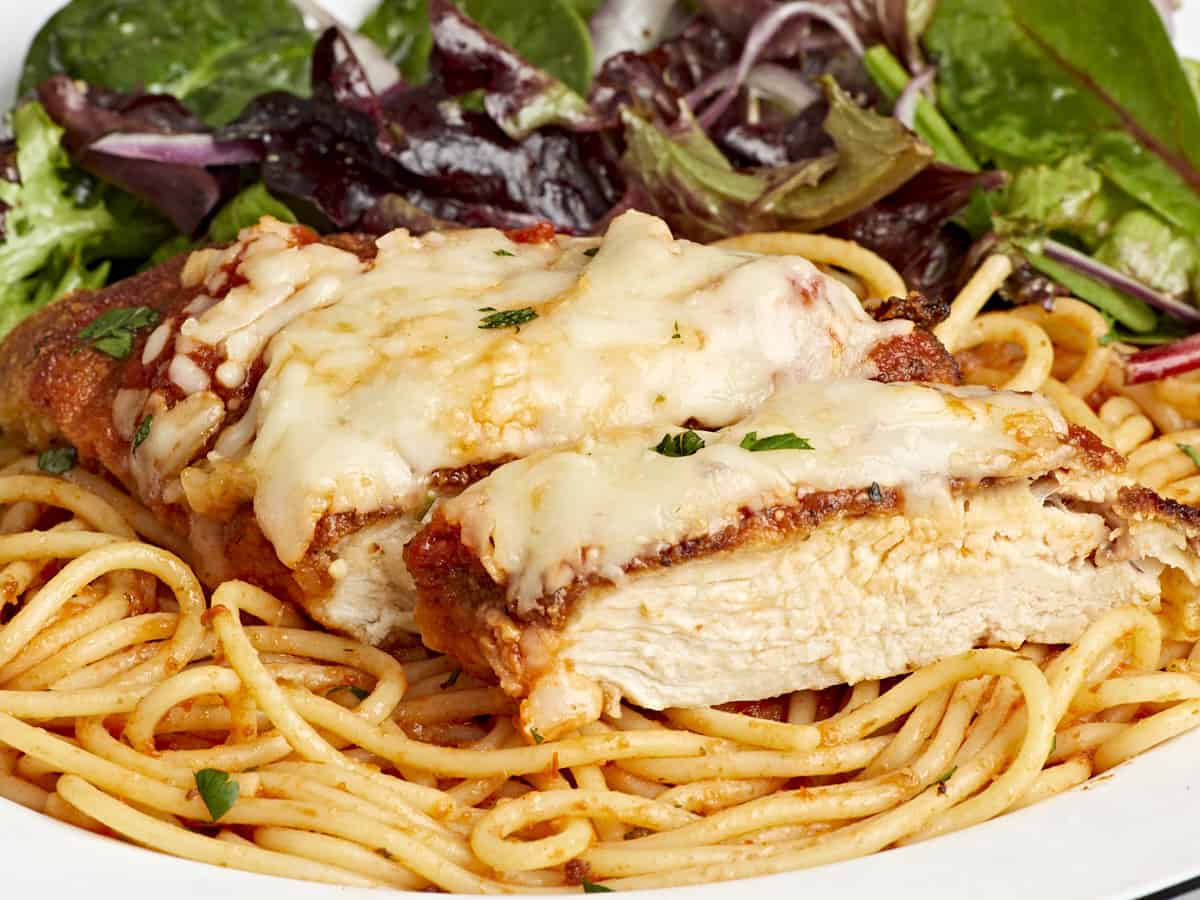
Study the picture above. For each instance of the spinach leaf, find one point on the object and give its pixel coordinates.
(215, 55)
(401, 29)
(45, 229)
(550, 34)
(1035, 81)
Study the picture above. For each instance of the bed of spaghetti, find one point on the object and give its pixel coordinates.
(121, 678)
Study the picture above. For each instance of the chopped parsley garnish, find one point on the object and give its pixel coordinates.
(946, 777)
(590, 887)
(503, 252)
(537, 736)
(112, 332)
(218, 791)
(875, 492)
(57, 460)
(1191, 453)
(683, 444)
(508, 318)
(591, 251)
(676, 336)
(449, 682)
(785, 441)
(143, 432)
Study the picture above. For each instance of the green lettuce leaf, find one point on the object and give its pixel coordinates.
(1070, 197)
(685, 177)
(214, 55)
(45, 230)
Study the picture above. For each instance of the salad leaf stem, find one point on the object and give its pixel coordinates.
(891, 78)
(1097, 270)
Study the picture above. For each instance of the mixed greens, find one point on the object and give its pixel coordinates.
(931, 131)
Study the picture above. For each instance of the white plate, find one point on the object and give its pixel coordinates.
(1125, 835)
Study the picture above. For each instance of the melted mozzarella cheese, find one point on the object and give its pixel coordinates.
(539, 523)
(379, 372)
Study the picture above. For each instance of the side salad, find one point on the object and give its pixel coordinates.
(931, 131)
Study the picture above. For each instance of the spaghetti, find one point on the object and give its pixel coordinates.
(120, 681)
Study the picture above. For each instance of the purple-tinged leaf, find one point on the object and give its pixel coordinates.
(1093, 268)
(338, 75)
(518, 96)
(652, 84)
(185, 194)
(320, 156)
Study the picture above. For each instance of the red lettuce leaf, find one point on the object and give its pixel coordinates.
(187, 195)
(517, 95)
(909, 227)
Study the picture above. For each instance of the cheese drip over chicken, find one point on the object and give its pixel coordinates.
(462, 347)
(539, 524)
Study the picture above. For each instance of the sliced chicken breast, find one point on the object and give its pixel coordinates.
(303, 402)
(923, 521)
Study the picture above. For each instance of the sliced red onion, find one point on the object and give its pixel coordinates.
(381, 73)
(1162, 362)
(788, 88)
(906, 103)
(1085, 265)
(621, 25)
(785, 86)
(181, 149)
(759, 38)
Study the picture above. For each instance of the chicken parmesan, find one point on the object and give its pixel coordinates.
(844, 531)
(295, 406)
